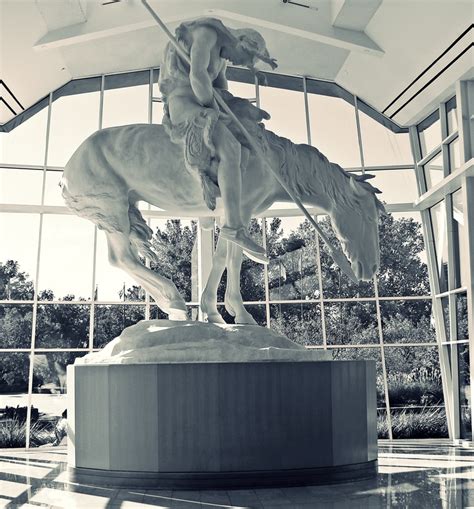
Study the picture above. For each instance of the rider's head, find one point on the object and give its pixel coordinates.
(250, 48)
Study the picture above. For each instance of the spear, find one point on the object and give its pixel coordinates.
(337, 255)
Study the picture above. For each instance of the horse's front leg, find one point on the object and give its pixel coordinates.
(234, 303)
(209, 295)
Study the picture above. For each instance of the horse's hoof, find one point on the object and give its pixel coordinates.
(215, 318)
(229, 309)
(245, 319)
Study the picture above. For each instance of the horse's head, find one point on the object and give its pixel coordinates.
(355, 220)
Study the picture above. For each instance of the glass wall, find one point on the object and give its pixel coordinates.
(60, 298)
(437, 146)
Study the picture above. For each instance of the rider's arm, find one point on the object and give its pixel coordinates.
(221, 81)
(204, 39)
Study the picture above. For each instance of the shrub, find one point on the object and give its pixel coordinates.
(13, 433)
(20, 413)
(427, 423)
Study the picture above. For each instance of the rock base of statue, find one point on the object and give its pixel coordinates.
(220, 424)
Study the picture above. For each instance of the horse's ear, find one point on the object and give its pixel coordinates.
(364, 177)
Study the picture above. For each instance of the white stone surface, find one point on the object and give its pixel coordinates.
(167, 341)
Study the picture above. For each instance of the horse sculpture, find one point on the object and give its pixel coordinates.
(117, 167)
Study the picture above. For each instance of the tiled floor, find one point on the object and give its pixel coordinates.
(412, 474)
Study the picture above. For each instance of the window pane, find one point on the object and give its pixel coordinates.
(73, 119)
(110, 321)
(369, 354)
(18, 253)
(438, 218)
(461, 316)
(454, 156)
(382, 146)
(112, 283)
(299, 322)
(465, 391)
(403, 269)
(49, 394)
(415, 392)
(244, 90)
(446, 317)
(460, 241)
(286, 108)
(62, 326)
(124, 106)
(335, 283)
(52, 192)
(14, 369)
(333, 129)
(397, 186)
(173, 242)
(452, 114)
(26, 143)
(21, 187)
(351, 323)
(433, 171)
(292, 271)
(66, 258)
(157, 112)
(407, 321)
(15, 325)
(430, 137)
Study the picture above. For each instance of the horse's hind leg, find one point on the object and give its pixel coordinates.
(165, 293)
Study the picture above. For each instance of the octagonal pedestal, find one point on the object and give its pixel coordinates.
(222, 425)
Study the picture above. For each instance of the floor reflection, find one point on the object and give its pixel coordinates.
(412, 473)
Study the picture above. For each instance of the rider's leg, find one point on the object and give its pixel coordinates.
(233, 297)
(229, 178)
(209, 295)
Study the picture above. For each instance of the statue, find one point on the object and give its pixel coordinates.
(193, 118)
(199, 155)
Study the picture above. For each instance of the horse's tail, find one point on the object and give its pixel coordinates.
(141, 234)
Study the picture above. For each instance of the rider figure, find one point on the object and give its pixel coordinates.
(193, 119)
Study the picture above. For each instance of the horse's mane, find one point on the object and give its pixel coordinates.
(307, 171)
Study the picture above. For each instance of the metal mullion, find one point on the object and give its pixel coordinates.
(370, 345)
(318, 251)
(265, 274)
(264, 235)
(461, 289)
(456, 342)
(468, 199)
(46, 350)
(321, 299)
(382, 354)
(150, 121)
(15, 350)
(36, 288)
(430, 156)
(359, 133)
(465, 111)
(450, 138)
(444, 134)
(453, 353)
(94, 250)
(446, 375)
(306, 111)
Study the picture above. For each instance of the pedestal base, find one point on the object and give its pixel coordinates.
(222, 425)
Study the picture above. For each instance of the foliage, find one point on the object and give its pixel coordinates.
(413, 372)
(429, 422)
(13, 433)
